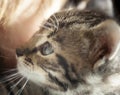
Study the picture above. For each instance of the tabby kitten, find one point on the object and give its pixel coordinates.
(75, 53)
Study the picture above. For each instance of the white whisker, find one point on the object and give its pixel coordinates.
(3, 81)
(51, 24)
(20, 91)
(52, 21)
(46, 27)
(55, 26)
(13, 87)
(8, 79)
(5, 68)
(56, 21)
(8, 83)
(8, 71)
(17, 82)
(12, 75)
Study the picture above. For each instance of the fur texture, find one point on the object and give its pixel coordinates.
(75, 53)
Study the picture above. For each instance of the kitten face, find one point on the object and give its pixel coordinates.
(69, 45)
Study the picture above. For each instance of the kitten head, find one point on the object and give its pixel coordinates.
(70, 44)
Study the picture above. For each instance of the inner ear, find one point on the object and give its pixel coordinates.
(110, 42)
(114, 36)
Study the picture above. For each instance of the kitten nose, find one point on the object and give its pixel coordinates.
(19, 52)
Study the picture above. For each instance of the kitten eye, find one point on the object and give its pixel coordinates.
(46, 49)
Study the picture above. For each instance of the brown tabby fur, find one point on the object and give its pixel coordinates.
(85, 57)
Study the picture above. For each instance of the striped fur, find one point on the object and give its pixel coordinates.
(75, 53)
(71, 21)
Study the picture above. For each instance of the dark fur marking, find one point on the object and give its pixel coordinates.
(103, 68)
(52, 67)
(52, 33)
(91, 21)
(29, 60)
(62, 61)
(34, 50)
(79, 78)
(21, 52)
(55, 80)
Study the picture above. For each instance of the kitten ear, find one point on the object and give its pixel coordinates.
(114, 34)
(112, 31)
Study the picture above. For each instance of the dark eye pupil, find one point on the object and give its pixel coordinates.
(46, 48)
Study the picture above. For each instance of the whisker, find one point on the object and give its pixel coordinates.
(46, 27)
(56, 21)
(3, 80)
(41, 25)
(5, 68)
(8, 71)
(8, 80)
(11, 75)
(20, 91)
(15, 85)
(9, 83)
(53, 23)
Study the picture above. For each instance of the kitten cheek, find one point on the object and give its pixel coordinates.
(33, 73)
